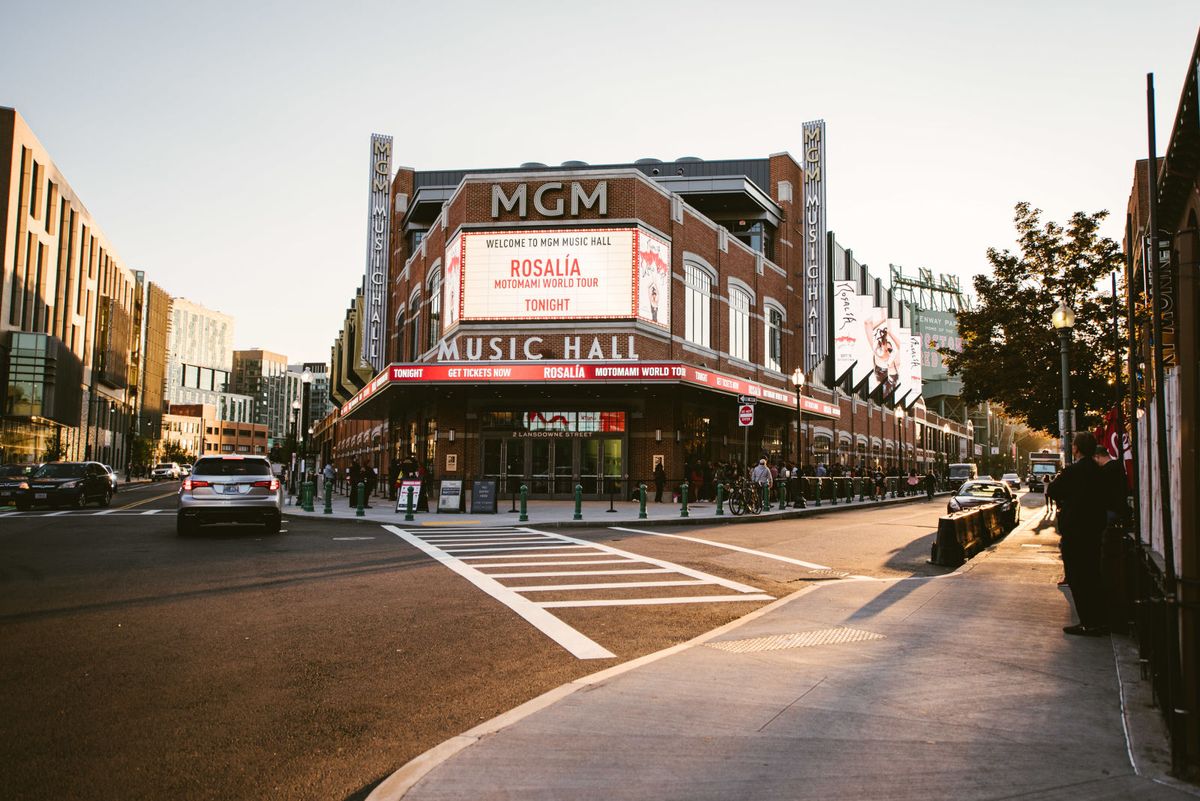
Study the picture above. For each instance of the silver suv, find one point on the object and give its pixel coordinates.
(230, 489)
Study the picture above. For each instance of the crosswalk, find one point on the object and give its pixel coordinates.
(86, 513)
(533, 571)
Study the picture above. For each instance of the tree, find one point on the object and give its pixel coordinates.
(174, 452)
(1010, 352)
(141, 453)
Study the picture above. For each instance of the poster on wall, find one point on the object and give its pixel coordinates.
(914, 368)
(853, 353)
(903, 358)
(884, 346)
(654, 280)
(452, 284)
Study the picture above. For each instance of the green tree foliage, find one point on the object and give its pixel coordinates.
(174, 452)
(1010, 352)
(141, 454)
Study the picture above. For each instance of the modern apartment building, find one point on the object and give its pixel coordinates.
(68, 307)
(264, 376)
(200, 361)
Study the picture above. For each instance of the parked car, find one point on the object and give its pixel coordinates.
(14, 477)
(1012, 480)
(185, 470)
(112, 477)
(230, 489)
(66, 484)
(168, 471)
(985, 491)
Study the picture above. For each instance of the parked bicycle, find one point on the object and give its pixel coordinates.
(745, 497)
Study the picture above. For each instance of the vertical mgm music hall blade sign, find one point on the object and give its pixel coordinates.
(816, 268)
(374, 350)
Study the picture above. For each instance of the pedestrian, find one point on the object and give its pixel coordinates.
(761, 475)
(1082, 515)
(1046, 494)
(371, 479)
(660, 480)
(930, 481)
(329, 474)
(354, 473)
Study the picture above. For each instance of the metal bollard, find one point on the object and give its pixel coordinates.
(362, 494)
(683, 495)
(641, 501)
(862, 489)
(328, 497)
(408, 504)
(782, 495)
(524, 518)
(820, 490)
(578, 502)
(833, 494)
(310, 494)
(721, 499)
(766, 493)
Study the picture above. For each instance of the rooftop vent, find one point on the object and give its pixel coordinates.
(687, 158)
(529, 165)
(648, 161)
(574, 164)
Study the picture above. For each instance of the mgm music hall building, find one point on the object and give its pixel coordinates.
(551, 326)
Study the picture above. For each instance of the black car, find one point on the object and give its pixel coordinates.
(12, 476)
(66, 484)
(985, 491)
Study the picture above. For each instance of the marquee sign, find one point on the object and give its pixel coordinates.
(378, 233)
(566, 274)
(815, 229)
(577, 372)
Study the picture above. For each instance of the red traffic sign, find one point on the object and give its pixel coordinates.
(745, 415)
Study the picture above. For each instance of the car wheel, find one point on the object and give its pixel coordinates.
(272, 525)
(107, 499)
(81, 501)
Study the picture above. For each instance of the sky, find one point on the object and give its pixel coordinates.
(222, 146)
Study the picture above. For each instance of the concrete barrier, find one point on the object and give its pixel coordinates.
(961, 535)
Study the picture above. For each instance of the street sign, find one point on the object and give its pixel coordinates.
(750, 399)
(745, 415)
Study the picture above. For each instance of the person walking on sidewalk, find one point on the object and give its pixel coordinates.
(329, 474)
(1079, 491)
(355, 476)
(660, 481)
(761, 475)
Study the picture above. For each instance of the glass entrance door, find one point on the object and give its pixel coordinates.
(564, 467)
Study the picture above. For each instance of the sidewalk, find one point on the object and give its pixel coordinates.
(560, 514)
(958, 687)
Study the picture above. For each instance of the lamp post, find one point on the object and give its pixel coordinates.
(306, 378)
(295, 440)
(903, 454)
(946, 444)
(1063, 320)
(798, 378)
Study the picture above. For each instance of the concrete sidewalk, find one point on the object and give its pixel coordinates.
(958, 687)
(560, 514)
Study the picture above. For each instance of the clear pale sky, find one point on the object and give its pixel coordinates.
(222, 147)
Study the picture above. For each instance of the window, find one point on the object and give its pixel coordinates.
(697, 305)
(739, 325)
(773, 344)
(414, 327)
(435, 310)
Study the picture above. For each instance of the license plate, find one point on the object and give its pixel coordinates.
(39, 496)
(5, 493)
(231, 489)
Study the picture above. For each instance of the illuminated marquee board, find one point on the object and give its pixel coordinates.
(570, 274)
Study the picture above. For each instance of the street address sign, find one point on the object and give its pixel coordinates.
(745, 415)
(750, 399)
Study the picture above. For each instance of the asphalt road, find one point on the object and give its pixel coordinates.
(314, 663)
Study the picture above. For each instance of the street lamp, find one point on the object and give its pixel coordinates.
(946, 443)
(295, 439)
(1063, 320)
(903, 454)
(798, 379)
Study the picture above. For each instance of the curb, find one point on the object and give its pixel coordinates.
(809, 511)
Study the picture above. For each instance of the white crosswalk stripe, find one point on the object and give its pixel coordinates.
(476, 554)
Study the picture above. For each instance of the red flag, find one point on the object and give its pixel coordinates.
(1111, 434)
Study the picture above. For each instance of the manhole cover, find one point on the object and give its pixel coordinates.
(823, 575)
(803, 639)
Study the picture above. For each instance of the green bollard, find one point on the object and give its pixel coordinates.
(642, 501)
(721, 499)
(833, 494)
(820, 490)
(524, 518)
(862, 486)
(578, 502)
(362, 495)
(782, 495)
(310, 494)
(683, 493)
(328, 497)
(766, 493)
(408, 504)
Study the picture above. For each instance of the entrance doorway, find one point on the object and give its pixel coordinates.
(551, 466)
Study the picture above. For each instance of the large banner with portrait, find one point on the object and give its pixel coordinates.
(852, 355)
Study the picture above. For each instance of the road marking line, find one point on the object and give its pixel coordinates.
(508, 535)
(581, 573)
(547, 564)
(445, 543)
(513, 548)
(150, 512)
(569, 638)
(608, 585)
(751, 551)
(687, 571)
(54, 514)
(548, 556)
(148, 500)
(104, 512)
(695, 599)
(452, 523)
(349, 539)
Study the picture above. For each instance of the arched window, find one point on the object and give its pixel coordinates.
(773, 340)
(435, 310)
(739, 324)
(398, 347)
(697, 302)
(414, 326)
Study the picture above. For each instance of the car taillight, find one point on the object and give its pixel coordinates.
(190, 484)
(272, 485)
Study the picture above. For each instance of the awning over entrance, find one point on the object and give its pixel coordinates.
(572, 373)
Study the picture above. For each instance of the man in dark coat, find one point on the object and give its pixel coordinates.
(1079, 491)
(660, 481)
(355, 477)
